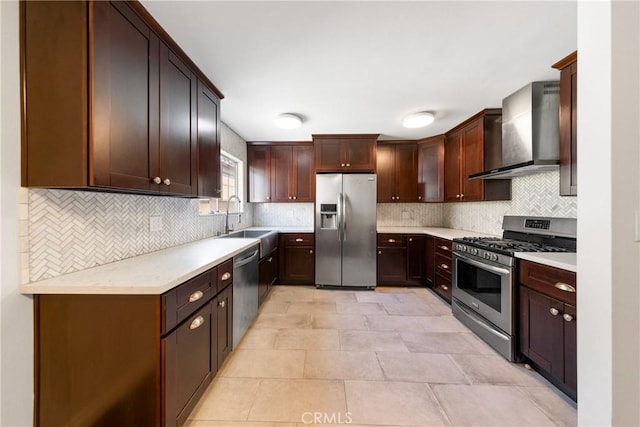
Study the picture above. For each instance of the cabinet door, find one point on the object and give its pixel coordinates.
(224, 326)
(452, 168)
(125, 99)
(569, 130)
(431, 170)
(259, 160)
(406, 173)
(392, 265)
(415, 258)
(385, 170)
(541, 331)
(304, 176)
(442, 286)
(570, 347)
(178, 157)
(281, 174)
(209, 179)
(297, 265)
(360, 156)
(472, 162)
(329, 156)
(430, 263)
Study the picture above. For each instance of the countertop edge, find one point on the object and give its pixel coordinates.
(441, 232)
(550, 259)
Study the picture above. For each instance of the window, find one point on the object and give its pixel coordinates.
(232, 183)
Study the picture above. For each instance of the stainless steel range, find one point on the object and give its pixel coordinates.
(484, 274)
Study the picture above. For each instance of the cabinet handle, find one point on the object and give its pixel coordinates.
(342, 164)
(270, 259)
(299, 240)
(197, 322)
(444, 248)
(457, 196)
(157, 180)
(419, 197)
(289, 197)
(221, 304)
(393, 198)
(195, 296)
(391, 240)
(310, 251)
(411, 239)
(461, 196)
(567, 317)
(444, 287)
(445, 266)
(554, 311)
(397, 197)
(268, 197)
(348, 164)
(225, 276)
(379, 252)
(565, 287)
(167, 181)
(295, 198)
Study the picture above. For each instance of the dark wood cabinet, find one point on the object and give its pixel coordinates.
(397, 170)
(209, 170)
(568, 67)
(268, 275)
(345, 153)
(400, 259)
(281, 172)
(115, 108)
(442, 268)
(547, 319)
(430, 261)
(151, 355)
(415, 258)
(472, 147)
(431, 169)
(296, 259)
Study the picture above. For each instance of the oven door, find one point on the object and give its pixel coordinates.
(485, 287)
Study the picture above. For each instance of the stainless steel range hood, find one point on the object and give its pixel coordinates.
(530, 132)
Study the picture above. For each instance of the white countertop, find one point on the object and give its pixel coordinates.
(443, 233)
(565, 261)
(149, 274)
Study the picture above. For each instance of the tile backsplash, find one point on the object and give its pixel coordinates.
(410, 214)
(283, 214)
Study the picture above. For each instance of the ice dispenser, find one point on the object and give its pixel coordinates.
(329, 216)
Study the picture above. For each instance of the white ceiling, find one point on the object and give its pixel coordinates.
(360, 67)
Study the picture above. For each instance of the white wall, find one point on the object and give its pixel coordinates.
(609, 182)
(16, 312)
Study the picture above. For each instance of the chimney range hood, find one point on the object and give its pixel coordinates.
(530, 132)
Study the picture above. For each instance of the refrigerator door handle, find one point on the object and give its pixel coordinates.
(344, 217)
(340, 220)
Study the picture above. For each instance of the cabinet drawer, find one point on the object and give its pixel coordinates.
(551, 281)
(391, 240)
(442, 286)
(302, 239)
(443, 246)
(181, 302)
(443, 264)
(224, 275)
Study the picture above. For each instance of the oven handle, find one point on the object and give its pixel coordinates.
(480, 321)
(475, 263)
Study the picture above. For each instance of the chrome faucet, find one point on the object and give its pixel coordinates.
(226, 218)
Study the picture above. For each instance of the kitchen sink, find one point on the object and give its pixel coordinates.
(268, 239)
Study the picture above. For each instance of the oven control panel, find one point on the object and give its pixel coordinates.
(481, 254)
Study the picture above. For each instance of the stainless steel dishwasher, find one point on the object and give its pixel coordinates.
(245, 291)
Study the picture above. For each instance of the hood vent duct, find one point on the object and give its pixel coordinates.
(530, 132)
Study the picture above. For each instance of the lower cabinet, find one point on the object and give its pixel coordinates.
(268, 274)
(130, 360)
(401, 259)
(443, 262)
(297, 259)
(547, 324)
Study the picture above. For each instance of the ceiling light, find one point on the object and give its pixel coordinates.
(288, 121)
(418, 120)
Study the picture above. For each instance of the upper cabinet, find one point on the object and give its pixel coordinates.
(472, 147)
(345, 153)
(281, 172)
(111, 102)
(397, 170)
(431, 169)
(568, 124)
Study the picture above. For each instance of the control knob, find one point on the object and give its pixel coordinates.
(494, 257)
(474, 251)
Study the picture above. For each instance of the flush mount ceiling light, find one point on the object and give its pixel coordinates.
(418, 120)
(288, 121)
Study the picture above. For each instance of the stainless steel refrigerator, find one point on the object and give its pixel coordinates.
(345, 227)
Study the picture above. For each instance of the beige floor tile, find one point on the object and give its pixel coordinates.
(345, 424)
(289, 400)
(371, 341)
(313, 307)
(330, 295)
(292, 293)
(274, 306)
(422, 294)
(489, 405)
(376, 402)
(377, 297)
(338, 321)
(258, 338)
(443, 324)
(342, 365)
(394, 289)
(206, 423)
(439, 342)
(556, 405)
(265, 364)
(483, 347)
(359, 308)
(395, 323)
(420, 367)
(283, 321)
(494, 369)
(227, 399)
(308, 339)
(414, 308)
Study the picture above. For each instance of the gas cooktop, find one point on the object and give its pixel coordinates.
(509, 246)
